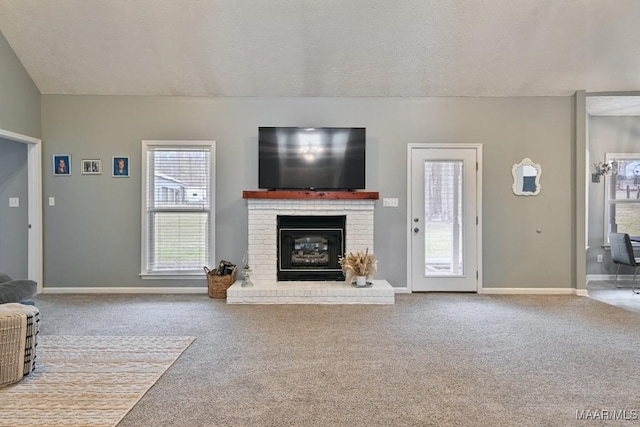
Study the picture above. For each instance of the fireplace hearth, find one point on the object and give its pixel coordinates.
(309, 247)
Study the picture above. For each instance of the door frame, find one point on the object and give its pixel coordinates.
(478, 148)
(34, 191)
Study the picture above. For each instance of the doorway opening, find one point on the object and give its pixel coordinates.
(34, 189)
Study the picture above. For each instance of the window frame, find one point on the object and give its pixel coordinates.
(148, 145)
(607, 183)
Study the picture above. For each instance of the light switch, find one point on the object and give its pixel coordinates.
(14, 202)
(390, 202)
(52, 201)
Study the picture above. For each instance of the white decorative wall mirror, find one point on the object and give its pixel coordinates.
(526, 178)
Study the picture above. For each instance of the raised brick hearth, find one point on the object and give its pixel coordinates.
(262, 247)
(380, 292)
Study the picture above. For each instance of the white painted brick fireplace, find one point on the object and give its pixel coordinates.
(263, 247)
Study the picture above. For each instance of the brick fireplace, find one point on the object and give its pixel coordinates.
(264, 209)
(263, 226)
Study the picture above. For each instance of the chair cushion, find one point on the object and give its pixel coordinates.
(17, 291)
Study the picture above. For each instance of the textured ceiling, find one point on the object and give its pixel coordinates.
(326, 47)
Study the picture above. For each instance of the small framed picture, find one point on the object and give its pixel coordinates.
(120, 167)
(62, 164)
(91, 166)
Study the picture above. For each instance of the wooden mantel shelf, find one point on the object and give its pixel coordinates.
(311, 195)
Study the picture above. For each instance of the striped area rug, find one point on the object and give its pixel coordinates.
(88, 380)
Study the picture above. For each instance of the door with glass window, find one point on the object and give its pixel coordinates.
(443, 219)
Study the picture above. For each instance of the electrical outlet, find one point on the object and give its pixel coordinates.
(390, 202)
(14, 202)
(599, 257)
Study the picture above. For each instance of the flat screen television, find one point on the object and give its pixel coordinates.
(292, 158)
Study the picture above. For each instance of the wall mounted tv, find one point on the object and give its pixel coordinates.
(292, 158)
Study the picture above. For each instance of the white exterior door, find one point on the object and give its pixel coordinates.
(444, 218)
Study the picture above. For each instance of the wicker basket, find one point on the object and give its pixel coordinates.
(218, 285)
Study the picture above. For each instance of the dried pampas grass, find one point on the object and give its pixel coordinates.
(358, 264)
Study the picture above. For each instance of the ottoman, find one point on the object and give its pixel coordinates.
(18, 341)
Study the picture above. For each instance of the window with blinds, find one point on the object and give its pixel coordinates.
(178, 198)
(443, 197)
(622, 204)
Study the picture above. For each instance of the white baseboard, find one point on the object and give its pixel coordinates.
(397, 290)
(144, 290)
(200, 290)
(600, 277)
(521, 291)
(610, 277)
(624, 281)
(530, 291)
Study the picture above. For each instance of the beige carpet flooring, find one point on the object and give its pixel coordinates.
(427, 360)
(87, 380)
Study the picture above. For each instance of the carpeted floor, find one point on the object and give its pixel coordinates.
(87, 380)
(428, 360)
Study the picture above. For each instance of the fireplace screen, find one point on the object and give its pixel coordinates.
(309, 247)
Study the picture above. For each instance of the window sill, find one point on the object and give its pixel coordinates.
(173, 276)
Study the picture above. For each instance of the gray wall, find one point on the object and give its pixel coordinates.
(606, 135)
(19, 97)
(92, 235)
(13, 221)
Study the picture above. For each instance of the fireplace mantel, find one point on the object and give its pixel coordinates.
(311, 195)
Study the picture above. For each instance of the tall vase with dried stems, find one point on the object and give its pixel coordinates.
(361, 265)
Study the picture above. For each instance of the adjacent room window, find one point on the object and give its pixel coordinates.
(178, 207)
(622, 203)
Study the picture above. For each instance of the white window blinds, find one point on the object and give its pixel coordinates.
(443, 217)
(177, 207)
(622, 205)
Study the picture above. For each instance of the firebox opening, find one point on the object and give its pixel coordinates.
(309, 247)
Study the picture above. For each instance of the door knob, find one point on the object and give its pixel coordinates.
(415, 230)
(415, 220)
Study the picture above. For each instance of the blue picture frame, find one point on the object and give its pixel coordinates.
(120, 167)
(61, 164)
